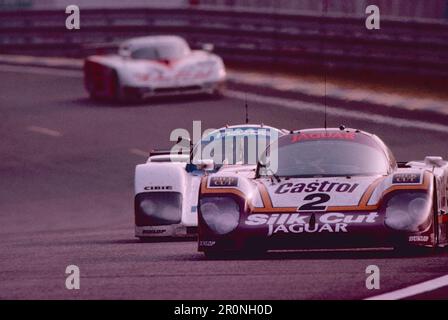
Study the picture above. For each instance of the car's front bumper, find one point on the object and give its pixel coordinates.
(362, 236)
(146, 92)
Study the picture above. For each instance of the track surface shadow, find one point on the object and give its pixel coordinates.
(328, 255)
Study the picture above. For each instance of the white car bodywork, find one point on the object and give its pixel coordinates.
(168, 174)
(155, 176)
(137, 72)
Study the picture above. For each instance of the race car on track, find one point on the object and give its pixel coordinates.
(323, 189)
(153, 66)
(167, 186)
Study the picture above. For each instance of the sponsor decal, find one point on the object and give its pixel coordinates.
(158, 188)
(157, 75)
(180, 230)
(223, 182)
(323, 136)
(240, 132)
(418, 238)
(406, 178)
(206, 243)
(154, 231)
(298, 223)
(324, 186)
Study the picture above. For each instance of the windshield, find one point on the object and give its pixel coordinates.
(171, 50)
(328, 158)
(235, 146)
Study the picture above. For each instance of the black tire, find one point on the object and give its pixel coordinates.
(94, 96)
(115, 85)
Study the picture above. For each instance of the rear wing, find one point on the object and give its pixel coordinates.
(160, 155)
(159, 152)
(403, 164)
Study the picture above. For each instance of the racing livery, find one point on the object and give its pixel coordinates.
(328, 188)
(153, 66)
(167, 186)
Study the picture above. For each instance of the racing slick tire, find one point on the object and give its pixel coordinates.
(94, 96)
(116, 92)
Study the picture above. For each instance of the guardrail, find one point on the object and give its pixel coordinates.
(292, 40)
(408, 9)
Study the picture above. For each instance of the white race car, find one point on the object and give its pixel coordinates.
(167, 185)
(153, 66)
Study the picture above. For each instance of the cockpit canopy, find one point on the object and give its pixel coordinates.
(157, 48)
(331, 153)
(236, 145)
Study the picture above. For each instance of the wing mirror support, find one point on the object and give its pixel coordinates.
(436, 162)
(208, 47)
(205, 164)
(125, 53)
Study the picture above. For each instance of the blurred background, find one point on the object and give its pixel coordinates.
(432, 9)
(298, 36)
(67, 162)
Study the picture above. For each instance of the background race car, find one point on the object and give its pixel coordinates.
(332, 188)
(167, 186)
(154, 66)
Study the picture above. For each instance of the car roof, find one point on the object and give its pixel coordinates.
(228, 129)
(246, 127)
(332, 130)
(148, 40)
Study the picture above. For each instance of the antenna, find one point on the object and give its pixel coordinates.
(325, 73)
(247, 109)
(325, 100)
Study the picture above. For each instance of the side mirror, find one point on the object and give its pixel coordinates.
(208, 47)
(125, 53)
(190, 167)
(435, 162)
(205, 164)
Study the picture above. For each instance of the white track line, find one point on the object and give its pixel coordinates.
(139, 152)
(312, 107)
(42, 71)
(414, 290)
(45, 131)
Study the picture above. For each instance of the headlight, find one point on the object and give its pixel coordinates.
(408, 211)
(158, 208)
(220, 214)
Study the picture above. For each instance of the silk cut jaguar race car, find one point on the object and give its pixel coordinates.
(167, 185)
(323, 189)
(153, 66)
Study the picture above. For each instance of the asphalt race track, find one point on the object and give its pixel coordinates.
(66, 180)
